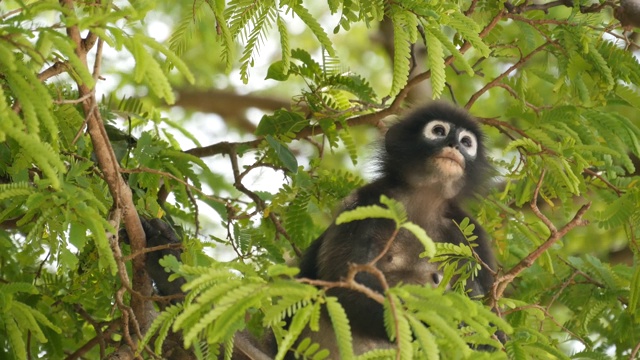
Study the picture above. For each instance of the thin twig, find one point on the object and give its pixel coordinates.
(635, 352)
(565, 284)
(152, 249)
(96, 327)
(386, 247)
(352, 285)
(534, 205)
(513, 93)
(502, 282)
(259, 203)
(98, 62)
(499, 78)
(105, 334)
(11, 13)
(56, 69)
(75, 101)
(548, 316)
(188, 186)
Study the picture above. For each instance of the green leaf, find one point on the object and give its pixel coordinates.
(634, 296)
(341, 327)
(278, 270)
(420, 234)
(298, 323)
(284, 44)
(469, 30)
(284, 154)
(315, 27)
(425, 338)
(364, 212)
(171, 56)
(435, 60)
(402, 49)
(282, 122)
(278, 71)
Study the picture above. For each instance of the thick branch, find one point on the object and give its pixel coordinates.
(118, 188)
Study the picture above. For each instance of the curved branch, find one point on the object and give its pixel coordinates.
(499, 78)
(503, 281)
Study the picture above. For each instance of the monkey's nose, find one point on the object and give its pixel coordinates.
(455, 146)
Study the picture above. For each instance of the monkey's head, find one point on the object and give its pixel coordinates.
(437, 146)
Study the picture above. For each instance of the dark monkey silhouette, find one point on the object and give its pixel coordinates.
(431, 161)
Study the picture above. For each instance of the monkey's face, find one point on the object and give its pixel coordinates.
(439, 147)
(452, 146)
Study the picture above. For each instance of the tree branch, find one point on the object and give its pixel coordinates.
(499, 78)
(501, 283)
(121, 193)
(528, 6)
(98, 339)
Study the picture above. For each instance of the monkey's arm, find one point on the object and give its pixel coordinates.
(329, 257)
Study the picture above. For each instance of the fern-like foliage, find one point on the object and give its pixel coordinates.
(435, 61)
(219, 298)
(306, 349)
(405, 33)
(341, 327)
(20, 319)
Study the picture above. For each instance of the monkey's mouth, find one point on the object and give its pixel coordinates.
(451, 158)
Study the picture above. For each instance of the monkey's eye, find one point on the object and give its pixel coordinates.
(436, 130)
(468, 141)
(439, 130)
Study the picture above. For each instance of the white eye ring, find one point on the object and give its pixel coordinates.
(468, 142)
(437, 130)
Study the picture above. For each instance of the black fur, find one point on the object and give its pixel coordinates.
(408, 173)
(159, 233)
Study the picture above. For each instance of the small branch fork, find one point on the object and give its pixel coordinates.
(498, 79)
(260, 204)
(501, 283)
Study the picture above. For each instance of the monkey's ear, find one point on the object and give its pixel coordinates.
(393, 138)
